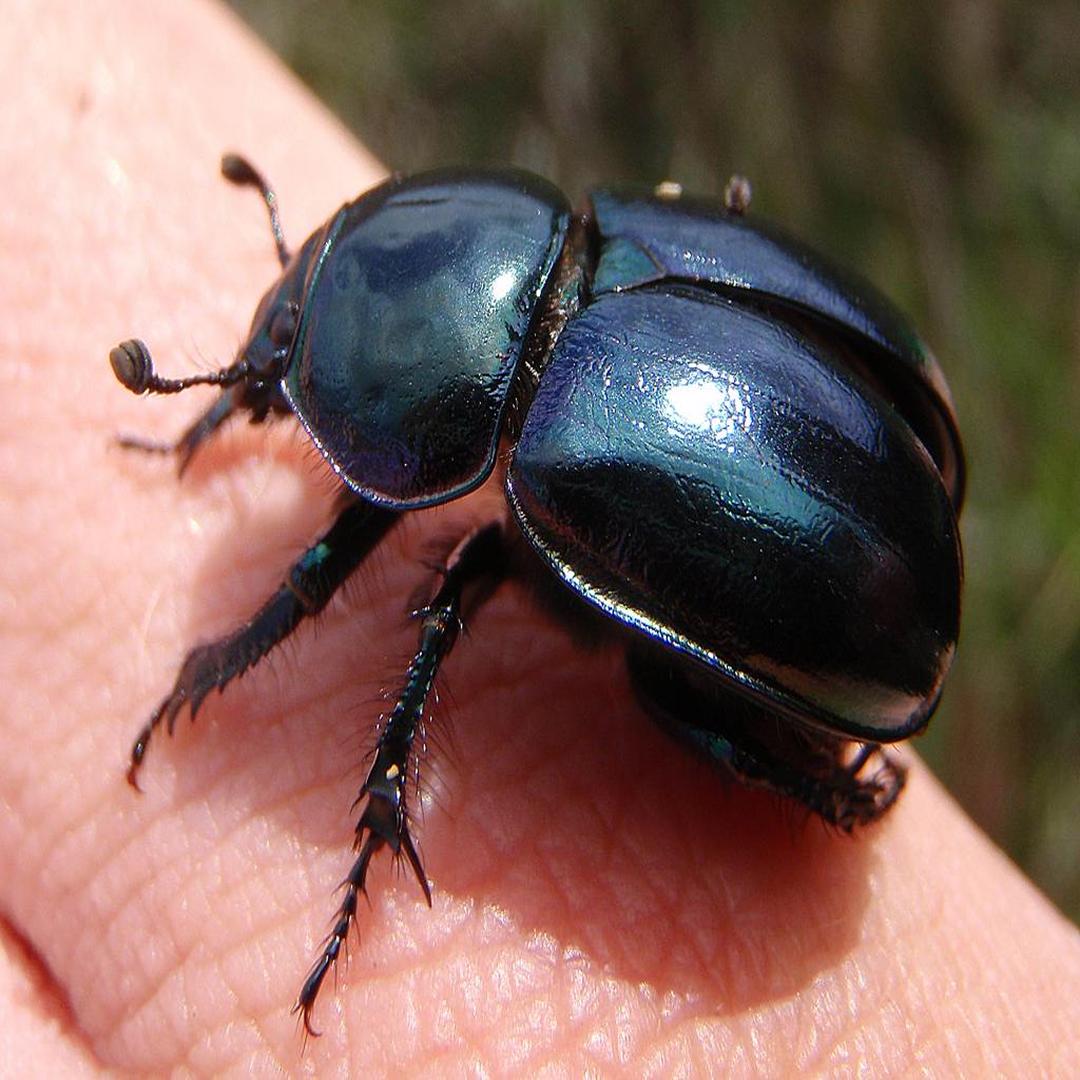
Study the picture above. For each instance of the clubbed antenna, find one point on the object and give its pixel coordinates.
(134, 369)
(238, 170)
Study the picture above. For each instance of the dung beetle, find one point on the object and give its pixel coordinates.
(744, 459)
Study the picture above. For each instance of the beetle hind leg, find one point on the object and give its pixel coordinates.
(845, 793)
(846, 784)
(478, 560)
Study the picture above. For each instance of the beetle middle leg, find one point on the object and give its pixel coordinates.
(847, 784)
(306, 590)
(477, 564)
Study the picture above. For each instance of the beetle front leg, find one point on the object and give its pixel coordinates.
(384, 821)
(248, 387)
(307, 589)
(183, 448)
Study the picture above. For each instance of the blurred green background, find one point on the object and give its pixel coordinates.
(933, 146)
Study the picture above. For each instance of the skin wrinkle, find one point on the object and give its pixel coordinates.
(706, 961)
(213, 903)
(908, 978)
(693, 1023)
(260, 929)
(804, 1017)
(143, 1008)
(192, 1048)
(253, 948)
(238, 1063)
(864, 997)
(120, 918)
(517, 1044)
(157, 879)
(180, 854)
(823, 1052)
(259, 1023)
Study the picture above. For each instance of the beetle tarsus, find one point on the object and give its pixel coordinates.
(308, 587)
(860, 801)
(138, 752)
(819, 770)
(184, 447)
(381, 825)
(819, 780)
(385, 819)
(815, 776)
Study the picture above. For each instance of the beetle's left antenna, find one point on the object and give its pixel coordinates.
(238, 170)
(134, 369)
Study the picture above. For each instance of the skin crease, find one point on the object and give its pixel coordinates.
(601, 902)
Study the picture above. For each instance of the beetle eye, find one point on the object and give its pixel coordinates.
(282, 327)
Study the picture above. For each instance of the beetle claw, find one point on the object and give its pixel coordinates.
(184, 447)
(382, 824)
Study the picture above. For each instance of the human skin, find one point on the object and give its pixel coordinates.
(601, 901)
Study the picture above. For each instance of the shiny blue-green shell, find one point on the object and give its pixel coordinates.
(724, 443)
(418, 298)
(706, 474)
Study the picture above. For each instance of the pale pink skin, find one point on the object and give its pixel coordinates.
(600, 901)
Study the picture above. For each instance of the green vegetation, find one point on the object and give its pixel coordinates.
(935, 146)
